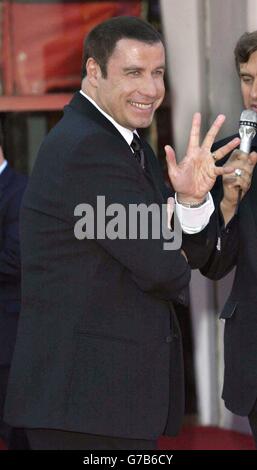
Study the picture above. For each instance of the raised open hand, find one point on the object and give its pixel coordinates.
(195, 175)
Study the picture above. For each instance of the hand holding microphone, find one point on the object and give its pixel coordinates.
(236, 185)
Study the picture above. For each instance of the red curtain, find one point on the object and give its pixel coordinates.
(42, 42)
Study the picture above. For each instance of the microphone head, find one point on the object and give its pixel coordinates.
(248, 118)
(247, 129)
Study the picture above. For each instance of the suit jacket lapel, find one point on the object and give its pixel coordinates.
(253, 196)
(151, 175)
(84, 106)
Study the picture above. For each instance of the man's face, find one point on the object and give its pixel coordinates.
(134, 86)
(248, 77)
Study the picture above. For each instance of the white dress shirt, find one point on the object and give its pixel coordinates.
(3, 166)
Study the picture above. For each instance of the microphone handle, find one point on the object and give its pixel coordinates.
(245, 146)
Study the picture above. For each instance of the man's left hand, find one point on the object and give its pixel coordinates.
(195, 175)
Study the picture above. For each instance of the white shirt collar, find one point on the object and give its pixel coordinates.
(3, 166)
(127, 134)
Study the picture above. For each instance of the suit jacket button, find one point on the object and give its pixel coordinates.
(168, 339)
(181, 298)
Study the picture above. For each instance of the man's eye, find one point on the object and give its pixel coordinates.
(134, 73)
(246, 79)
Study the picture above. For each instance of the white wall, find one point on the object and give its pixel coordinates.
(185, 39)
(251, 15)
(200, 37)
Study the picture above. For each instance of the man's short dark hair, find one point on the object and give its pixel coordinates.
(246, 45)
(101, 41)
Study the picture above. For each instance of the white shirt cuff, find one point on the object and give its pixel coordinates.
(3, 166)
(194, 219)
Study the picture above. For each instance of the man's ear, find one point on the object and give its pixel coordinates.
(93, 72)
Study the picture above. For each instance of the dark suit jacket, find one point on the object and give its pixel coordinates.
(12, 187)
(239, 248)
(98, 347)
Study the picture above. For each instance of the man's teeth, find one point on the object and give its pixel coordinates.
(141, 105)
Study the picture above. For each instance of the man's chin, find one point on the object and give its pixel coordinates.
(143, 123)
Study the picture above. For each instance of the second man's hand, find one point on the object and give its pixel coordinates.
(195, 175)
(235, 186)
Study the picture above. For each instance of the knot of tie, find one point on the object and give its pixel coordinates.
(137, 148)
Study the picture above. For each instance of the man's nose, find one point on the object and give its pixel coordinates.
(148, 87)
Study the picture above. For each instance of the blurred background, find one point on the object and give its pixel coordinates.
(40, 62)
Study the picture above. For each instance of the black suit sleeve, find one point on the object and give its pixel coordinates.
(10, 249)
(225, 252)
(163, 273)
(214, 250)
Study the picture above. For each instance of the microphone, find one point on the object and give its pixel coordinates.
(247, 129)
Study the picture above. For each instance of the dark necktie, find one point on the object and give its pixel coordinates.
(137, 148)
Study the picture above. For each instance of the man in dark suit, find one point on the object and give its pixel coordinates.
(98, 359)
(12, 187)
(238, 247)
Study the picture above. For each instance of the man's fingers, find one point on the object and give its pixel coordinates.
(230, 179)
(195, 132)
(226, 148)
(170, 156)
(224, 170)
(253, 158)
(235, 183)
(213, 131)
(237, 155)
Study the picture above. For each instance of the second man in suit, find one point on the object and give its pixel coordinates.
(238, 248)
